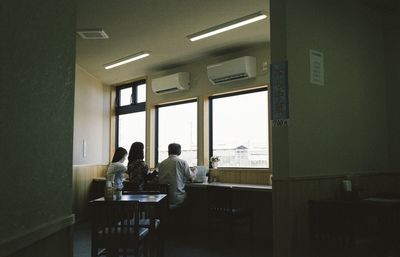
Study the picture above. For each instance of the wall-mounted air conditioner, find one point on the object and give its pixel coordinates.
(171, 83)
(237, 69)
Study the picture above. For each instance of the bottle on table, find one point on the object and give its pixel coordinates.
(109, 191)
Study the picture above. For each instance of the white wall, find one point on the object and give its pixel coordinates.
(91, 119)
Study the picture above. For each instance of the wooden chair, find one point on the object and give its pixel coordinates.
(151, 218)
(336, 227)
(129, 186)
(115, 227)
(221, 211)
(161, 188)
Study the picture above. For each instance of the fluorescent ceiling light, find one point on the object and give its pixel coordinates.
(126, 60)
(228, 26)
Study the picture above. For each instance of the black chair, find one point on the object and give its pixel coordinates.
(129, 186)
(156, 187)
(338, 227)
(115, 227)
(151, 218)
(222, 211)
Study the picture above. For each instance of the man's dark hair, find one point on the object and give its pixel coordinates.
(174, 148)
(119, 154)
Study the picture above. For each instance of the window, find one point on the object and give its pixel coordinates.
(131, 115)
(239, 129)
(177, 123)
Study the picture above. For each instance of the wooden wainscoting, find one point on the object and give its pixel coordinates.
(242, 176)
(82, 177)
(290, 205)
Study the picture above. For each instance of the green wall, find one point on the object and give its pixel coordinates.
(341, 127)
(392, 56)
(36, 125)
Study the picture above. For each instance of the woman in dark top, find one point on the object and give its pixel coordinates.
(137, 168)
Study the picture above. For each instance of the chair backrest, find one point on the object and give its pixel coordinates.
(130, 186)
(162, 188)
(140, 192)
(219, 199)
(115, 223)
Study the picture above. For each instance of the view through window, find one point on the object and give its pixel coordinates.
(177, 123)
(131, 115)
(131, 128)
(240, 129)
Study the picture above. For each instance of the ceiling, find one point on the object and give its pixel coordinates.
(160, 27)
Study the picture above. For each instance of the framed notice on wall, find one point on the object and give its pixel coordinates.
(279, 94)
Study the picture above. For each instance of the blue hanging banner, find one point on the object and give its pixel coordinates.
(279, 94)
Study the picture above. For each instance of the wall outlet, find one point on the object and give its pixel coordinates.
(265, 66)
(84, 150)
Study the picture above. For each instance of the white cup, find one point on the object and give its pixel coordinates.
(205, 179)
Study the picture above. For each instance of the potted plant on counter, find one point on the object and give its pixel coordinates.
(214, 161)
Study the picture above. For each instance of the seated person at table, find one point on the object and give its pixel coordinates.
(116, 169)
(137, 168)
(175, 171)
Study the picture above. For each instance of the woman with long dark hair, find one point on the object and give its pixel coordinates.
(137, 168)
(116, 169)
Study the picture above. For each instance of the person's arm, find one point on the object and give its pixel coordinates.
(190, 174)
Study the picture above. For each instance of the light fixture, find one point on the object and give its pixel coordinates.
(227, 26)
(125, 60)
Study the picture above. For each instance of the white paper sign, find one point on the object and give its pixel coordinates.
(316, 68)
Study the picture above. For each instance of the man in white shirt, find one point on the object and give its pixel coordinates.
(175, 172)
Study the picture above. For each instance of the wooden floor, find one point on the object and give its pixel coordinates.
(188, 243)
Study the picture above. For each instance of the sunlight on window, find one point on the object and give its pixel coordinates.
(178, 124)
(131, 128)
(240, 130)
(141, 93)
(125, 96)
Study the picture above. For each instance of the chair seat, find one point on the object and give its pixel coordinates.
(146, 223)
(119, 231)
(116, 234)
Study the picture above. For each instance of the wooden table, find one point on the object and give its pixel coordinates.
(141, 198)
(154, 203)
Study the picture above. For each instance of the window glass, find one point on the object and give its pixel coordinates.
(131, 128)
(141, 93)
(125, 96)
(178, 124)
(130, 115)
(240, 130)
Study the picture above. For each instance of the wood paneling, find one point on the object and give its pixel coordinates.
(82, 179)
(290, 205)
(242, 176)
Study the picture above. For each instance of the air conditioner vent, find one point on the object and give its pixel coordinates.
(232, 70)
(230, 78)
(169, 90)
(92, 34)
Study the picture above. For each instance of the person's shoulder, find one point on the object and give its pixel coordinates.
(119, 165)
(183, 161)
